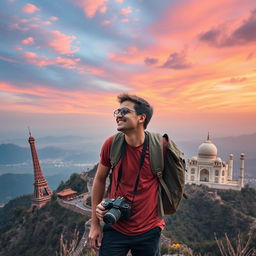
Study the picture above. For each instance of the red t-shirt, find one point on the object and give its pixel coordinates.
(144, 209)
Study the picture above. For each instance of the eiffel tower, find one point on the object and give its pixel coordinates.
(42, 192)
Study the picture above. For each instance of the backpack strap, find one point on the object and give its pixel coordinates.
(156, 152)
(156, 155)
(115, 149)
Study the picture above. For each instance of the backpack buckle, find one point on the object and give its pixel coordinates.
(159, 174)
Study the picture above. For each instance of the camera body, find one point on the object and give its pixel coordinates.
(117, 209)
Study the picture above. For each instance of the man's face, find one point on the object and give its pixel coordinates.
(126, 117)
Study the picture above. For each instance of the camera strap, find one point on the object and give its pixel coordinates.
(142, 158)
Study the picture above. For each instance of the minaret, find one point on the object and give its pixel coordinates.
(241, 173)
(230, 167)
(42, 192)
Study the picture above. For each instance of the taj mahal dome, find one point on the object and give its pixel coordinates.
(208, 169)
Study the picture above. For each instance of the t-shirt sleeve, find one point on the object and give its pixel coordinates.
(105, 152)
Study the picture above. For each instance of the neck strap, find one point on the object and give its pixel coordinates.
(142, 158)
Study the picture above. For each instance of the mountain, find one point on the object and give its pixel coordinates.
(65, 154)
(13, 154)
(196, 222)
(13, 185)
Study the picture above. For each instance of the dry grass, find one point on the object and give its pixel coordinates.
(66, 248)
(241, 247)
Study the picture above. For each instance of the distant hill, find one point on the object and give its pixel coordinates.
(72, 150)
(13, 154)
(226, 145)
(13, 185)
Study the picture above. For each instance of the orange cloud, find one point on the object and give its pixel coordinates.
(90, 7)
(30, 8)
(53, 100)
(28, 41)
(62, 43)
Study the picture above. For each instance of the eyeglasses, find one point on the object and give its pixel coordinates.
(123, 111)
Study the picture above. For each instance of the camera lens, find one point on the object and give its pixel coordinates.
(112, 216)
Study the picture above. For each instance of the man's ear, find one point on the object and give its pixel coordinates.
(142, 118)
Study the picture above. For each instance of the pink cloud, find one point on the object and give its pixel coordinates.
(62, 43)
(28, 41)
(126, 11)
(30, 8)
(61, 101)
(90, 7)
(103, 9)
(106, 22)
(53, 18)
(124, 20)
(24, 20)
(42, 61)
(120, 1)
(16, 26)
(8, 59)
(47, 22)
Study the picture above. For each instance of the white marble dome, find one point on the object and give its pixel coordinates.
(207, 150)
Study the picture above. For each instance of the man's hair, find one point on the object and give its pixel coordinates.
(141, 106)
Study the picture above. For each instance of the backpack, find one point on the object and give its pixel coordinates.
(170, 170)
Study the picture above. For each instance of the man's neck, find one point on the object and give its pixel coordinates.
(135, 139)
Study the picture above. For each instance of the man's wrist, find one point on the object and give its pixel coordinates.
(95, 221)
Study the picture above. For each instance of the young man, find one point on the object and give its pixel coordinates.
(141, 232)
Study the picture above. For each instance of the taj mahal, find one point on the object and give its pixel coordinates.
(208, 169)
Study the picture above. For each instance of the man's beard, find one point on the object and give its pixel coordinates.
(120, 129)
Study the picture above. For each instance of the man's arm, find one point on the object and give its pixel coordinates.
(98, 190)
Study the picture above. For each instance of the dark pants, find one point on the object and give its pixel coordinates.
(115, 243)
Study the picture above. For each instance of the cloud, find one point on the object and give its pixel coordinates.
(47, 22)
(235, 80)
(126, 11)
(28, 41)
(106, 22)
(42, 61)
(8, 59)
(119, 1)
(150, 61)
(124, 20)
(177, 61)
(90, 7)
(220, 37)
(53, 18)
(30, 8)
(62, 43)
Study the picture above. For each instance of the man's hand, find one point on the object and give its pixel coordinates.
(95, 236)
(100, 211)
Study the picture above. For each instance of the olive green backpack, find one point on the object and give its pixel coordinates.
(170, 170)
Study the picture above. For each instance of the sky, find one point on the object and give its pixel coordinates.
(63, 63)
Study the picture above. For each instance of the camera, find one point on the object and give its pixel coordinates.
(117, 208)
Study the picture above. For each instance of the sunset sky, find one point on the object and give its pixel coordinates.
(62, 64)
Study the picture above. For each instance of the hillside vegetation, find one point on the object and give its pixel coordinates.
(38, 233)
(206, 214)
(197, 220)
